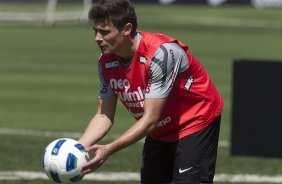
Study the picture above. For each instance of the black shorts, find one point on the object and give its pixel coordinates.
(191, 159)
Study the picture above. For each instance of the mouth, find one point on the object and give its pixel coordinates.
(102, 47)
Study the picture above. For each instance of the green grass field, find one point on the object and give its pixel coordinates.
(48, 80)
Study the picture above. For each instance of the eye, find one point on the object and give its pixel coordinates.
(103, 32)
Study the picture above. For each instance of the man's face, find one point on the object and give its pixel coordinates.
(108, 38)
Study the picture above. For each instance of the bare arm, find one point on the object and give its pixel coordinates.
(101, 123)
(152, 112)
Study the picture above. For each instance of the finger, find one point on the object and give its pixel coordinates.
(87, 171)
(92, 148)
(91, 165)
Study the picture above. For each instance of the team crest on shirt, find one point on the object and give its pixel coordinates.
(143, 59)
(111, 64)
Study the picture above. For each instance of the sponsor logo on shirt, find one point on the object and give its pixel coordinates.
(121, 88)
(111, 64)
(172, 66)
(150, 79)
(164, 121)
(135, 104)
(189, 82)
(104, 88)
(136, 114)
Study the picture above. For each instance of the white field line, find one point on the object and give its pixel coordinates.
(133, 176)
(25, 132)
(75, 135)
(225, 22)
(199, 20)
(235, 22)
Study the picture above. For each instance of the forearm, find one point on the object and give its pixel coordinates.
(96, 130)
(135, 133)
(152, 113)
(101, 123)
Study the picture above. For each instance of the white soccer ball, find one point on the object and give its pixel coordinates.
(63, 159)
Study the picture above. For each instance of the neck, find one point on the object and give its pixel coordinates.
(128, 49)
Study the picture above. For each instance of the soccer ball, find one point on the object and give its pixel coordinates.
(63, 159)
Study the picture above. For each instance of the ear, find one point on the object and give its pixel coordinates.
(127, 29)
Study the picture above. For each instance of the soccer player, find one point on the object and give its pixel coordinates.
(174, 101)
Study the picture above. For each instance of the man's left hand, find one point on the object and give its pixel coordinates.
(101, 154)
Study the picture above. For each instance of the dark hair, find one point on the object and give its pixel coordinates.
(119, 12)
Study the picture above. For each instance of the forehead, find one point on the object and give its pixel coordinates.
(104, 26)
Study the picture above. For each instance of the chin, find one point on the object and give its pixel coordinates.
(106, 52)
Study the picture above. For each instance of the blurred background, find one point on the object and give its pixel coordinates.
(49, 82)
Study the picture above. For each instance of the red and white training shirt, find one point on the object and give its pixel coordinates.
(163, 68)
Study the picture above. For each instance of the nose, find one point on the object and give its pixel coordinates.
(98, 37)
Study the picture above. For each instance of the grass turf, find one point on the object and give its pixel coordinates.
(49, 82)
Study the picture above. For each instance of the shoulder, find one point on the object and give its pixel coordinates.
(169, 49)
(151, 42)
(156, 38)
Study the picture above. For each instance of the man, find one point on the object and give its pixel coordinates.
(175, 104)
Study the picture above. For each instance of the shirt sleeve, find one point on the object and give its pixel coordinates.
(169, 61)
(105, 89)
